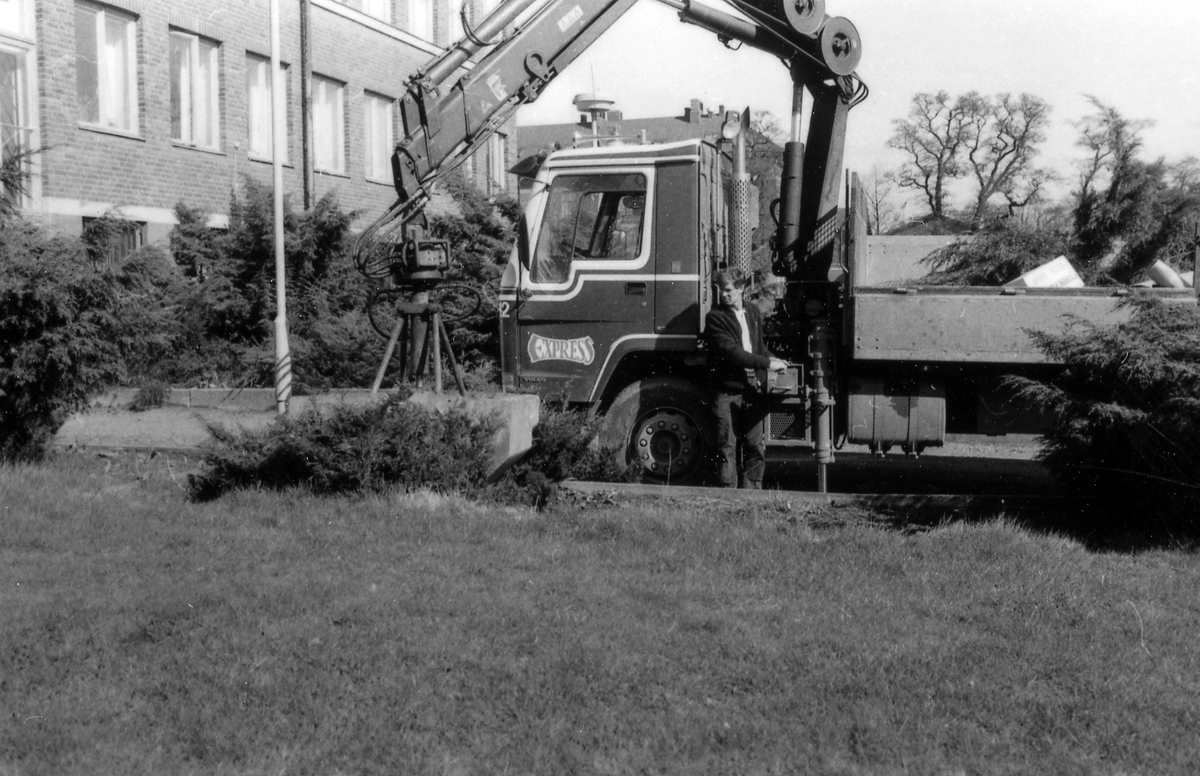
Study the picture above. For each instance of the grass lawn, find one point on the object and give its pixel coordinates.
(413, 634)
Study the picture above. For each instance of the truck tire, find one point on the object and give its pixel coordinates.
(666, 425)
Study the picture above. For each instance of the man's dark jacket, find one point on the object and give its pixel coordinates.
(728, 361)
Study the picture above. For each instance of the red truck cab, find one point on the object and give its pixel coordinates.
(604, 297)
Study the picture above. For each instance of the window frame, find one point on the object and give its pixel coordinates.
(378, 168)
(258, 64)
(202, 52)
(21, 136)
(454, 27)
(428, 26)
(578, 264)
(121, 245)
(335, 124)
(496, 180)
(373, 8)
(124, 119)
(24, 19)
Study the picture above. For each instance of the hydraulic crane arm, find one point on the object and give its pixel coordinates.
(445, 122)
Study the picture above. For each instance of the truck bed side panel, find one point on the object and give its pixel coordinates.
(970, 325)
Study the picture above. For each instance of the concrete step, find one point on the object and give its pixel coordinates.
(182, 423)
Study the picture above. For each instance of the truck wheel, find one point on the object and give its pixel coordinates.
(665, 424)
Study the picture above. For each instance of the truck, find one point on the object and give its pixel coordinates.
(603, 300)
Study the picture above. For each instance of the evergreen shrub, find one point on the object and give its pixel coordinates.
(352, 449)
(1126, 409)
(565, 446)
(998, 254)
(70, 328)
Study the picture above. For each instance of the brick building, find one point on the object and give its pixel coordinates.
(136, 105)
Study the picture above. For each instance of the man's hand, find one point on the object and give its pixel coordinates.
(778, 365)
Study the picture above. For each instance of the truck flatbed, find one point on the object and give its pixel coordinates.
(976, 324)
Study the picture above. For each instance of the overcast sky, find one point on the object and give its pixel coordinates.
(1141, 57)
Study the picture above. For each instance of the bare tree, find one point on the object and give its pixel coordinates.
(879, 200)
(993, 139)
(1002, 140)
(1027, 190)
(764, 152)
(932, 138)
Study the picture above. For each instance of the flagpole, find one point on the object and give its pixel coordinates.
(283, 356)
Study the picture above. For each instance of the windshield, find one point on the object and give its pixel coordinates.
(589, 217)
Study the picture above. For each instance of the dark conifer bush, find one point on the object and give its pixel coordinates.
(228, 310)
(564, 447)
(998, 254)
(1126, 408)
(70, 328)
(480, 242)
(394, 444)
(352, 449)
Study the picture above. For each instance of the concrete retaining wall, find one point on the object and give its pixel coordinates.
(108, 424)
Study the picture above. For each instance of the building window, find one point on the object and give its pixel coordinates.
(456, 26)
(380, 9)
(106, 67)
(483, 8)
(195, 112)
(16, 137)
(14, 17)
(258, 108)
(379, 141)
(420, 18)
(497, 167)
(328, 117)
(112, 240)
(13, 108)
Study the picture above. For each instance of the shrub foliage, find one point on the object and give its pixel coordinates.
(394, 444)
(70, 328)
(565, 446)
(998, 254)
(1126, 408)
(75, 320)
(344, 449)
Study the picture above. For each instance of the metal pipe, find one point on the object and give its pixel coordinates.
(787, 235)
(729, 26)
(283, 352)
(739, 225)
(479, 37)
(797, 112)
(306, 123)
(435, 335)
(820, 344)
(387, 354)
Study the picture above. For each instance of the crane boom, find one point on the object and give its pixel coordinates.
(446, 122)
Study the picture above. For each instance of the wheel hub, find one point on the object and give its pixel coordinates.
(667, 444)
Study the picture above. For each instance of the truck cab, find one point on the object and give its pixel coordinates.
(611, 274)
(603, 301)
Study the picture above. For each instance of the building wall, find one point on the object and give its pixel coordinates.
(87, 171)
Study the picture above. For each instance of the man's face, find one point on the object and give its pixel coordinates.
(730, 296)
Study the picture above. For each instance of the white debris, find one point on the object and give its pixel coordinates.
(1164, 276)
(1053, 274)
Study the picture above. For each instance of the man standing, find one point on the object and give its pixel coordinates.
(738, 361)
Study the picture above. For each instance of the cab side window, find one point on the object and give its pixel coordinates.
(589, 217)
